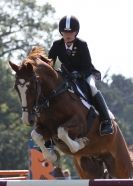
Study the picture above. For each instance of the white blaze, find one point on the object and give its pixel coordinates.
(22, 91)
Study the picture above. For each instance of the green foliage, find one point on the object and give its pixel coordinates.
(13, 136)
(67, 163)
(25, 24)
(119, 97)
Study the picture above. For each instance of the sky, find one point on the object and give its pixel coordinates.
(107, 27)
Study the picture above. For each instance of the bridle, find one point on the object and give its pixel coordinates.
(41, 101)
(37, 89)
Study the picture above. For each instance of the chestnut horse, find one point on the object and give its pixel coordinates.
(60, 115)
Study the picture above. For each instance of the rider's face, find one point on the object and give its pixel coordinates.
(68, 36)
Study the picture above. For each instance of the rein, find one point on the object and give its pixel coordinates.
(43, 101)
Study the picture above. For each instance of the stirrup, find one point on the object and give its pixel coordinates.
(109, 129)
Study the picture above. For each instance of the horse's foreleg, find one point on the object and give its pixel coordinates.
(73, 145)
(39, 140)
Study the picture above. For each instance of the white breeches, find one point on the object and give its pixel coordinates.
(91, 81)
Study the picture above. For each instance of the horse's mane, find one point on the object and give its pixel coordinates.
(37, 55)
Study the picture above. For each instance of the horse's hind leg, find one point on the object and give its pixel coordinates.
(123, 167)
(89, 168)
(118, 162)
(122, 158)
(118, 166)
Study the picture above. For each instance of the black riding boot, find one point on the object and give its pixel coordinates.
(106, 124)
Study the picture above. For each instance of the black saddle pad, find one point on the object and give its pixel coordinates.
(80, 82)
(84, 87)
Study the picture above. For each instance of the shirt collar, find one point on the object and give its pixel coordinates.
(70, 48)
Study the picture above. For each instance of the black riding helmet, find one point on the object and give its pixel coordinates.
(69, 24)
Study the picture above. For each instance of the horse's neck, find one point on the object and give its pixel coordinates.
(50, 83)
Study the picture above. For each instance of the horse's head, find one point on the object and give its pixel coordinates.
(36, 68)
(26, 86)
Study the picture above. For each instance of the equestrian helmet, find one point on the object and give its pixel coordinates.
(69, 24)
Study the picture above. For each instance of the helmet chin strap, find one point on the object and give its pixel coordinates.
(70, 42)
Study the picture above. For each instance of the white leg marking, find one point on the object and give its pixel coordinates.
(73, 145)
(22, 91)
(38, 139)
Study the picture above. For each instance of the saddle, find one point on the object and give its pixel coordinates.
(79, 86)
(82, 90)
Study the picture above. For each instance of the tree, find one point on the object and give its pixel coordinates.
(13, 135)
(24, 24)
(119, 97)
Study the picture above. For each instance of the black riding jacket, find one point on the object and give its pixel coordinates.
(79, 59)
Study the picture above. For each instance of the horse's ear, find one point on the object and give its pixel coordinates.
(14, 66)
(29, 67)
(46, 60)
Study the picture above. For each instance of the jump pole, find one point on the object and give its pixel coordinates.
(96, 182)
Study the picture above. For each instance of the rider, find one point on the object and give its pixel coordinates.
(74, 54)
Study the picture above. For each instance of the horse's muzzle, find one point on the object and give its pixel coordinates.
(24, 118)
(32, 119)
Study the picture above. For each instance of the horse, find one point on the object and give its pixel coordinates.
(57, 113)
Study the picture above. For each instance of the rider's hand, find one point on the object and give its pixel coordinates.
(75, 75)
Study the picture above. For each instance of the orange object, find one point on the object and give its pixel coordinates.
(40, 168)
(14, 172)
(14, 178)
